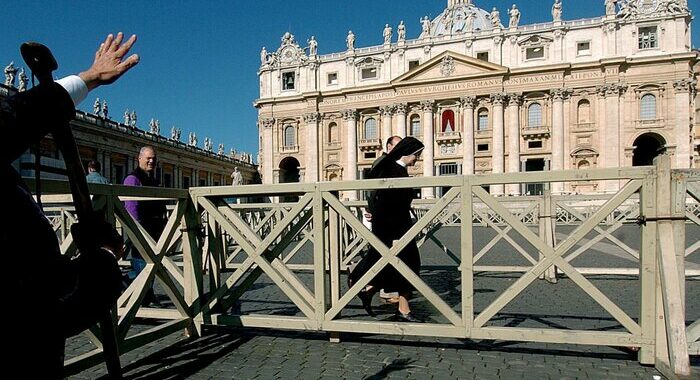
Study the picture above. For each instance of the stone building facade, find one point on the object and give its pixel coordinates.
(116, 146)
(609, 91)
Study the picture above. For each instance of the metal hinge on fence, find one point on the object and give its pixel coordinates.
(642, 220)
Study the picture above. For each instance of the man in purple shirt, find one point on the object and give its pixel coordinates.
(149, 214)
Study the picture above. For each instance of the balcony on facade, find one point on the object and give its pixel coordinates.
(452, 137)
(370, 144)
(650, 123)
(289, 149)
(537, 132)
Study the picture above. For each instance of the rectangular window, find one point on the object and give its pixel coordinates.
(648, 38)
(583, 48)
(202, 182)
(448, 169)
(167, 180)
(118, 174)
(288, 80)
(332, 78)
(185, 182)
(534, 53)
(413, 64)
(369, 73)
(536, 144)
(370, 155)
(484, 56)
(482, 147)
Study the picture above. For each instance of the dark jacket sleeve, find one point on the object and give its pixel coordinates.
(30, 115)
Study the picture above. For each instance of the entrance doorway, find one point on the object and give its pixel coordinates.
(289, 172)
(534, 165)
(646, 148)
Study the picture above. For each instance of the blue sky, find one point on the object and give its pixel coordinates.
(199, 59)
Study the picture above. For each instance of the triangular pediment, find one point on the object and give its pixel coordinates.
(450, 65)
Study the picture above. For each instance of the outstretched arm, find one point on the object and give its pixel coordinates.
(109, 62)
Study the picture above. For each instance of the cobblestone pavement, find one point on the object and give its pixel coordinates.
(223, 353)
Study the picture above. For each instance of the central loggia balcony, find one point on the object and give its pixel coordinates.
(450, 137)
(536, 132)
(370, 144)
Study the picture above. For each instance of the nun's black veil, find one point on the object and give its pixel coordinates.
(407, 146)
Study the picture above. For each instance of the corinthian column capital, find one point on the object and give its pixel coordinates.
(311, 117)
(427, 105)
(498, 99)
(515, 100)
(468, 101)
(350, 114)
(560, 94)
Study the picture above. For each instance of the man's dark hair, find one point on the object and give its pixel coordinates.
(390, 139)
(94, 165)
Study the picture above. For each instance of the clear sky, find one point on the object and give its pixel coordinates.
(199, 59)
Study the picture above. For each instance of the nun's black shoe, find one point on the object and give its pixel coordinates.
(366, 298)
(408, 317)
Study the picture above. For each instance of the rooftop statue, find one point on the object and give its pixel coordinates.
(10, 72)
(387, 34)
(220, 152)
(495, 18)
(127, 117)
(514, 14)
(105, 109)
(23, 80)
(425, 26)
(350, 40)
(401, 32)
(556, 11)
(96, 107)
(263, 56)
(133, 119)
(313, 46)
(610, 6)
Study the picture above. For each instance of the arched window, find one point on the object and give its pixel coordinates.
(371, 129)
(483, 120)
(333, 132)
(448, 121)
(584, 112)
(534, 115)
(289, 136)
(584, 164)
(647, 109)
(416, 129)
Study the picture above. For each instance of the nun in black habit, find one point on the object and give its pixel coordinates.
(390, 221)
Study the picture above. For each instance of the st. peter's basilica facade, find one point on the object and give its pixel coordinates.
(487, 95)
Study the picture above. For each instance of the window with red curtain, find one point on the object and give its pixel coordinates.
(448, 121)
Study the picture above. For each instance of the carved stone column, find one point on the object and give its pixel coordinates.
(468, 103)
(611, 157)
(497, 151)
(350, 173)
(401, 115)
(267, 126)
(514, 102)
(558, 96)
(684, 153)
(311, 152)
(427, 106)
(386, 112)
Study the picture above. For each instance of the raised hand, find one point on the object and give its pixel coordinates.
(109, 62)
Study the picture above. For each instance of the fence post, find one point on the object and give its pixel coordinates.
(192, 260)
(648, 272)
(547, 226)
(672, 347)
